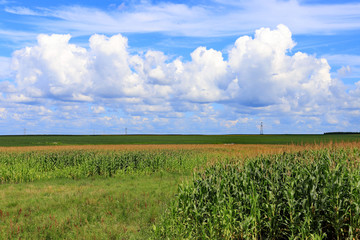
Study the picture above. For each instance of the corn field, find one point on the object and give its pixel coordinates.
(17, 167)
(40, 163)
(312, 194)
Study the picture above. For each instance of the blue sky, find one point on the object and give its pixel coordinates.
(208, 67)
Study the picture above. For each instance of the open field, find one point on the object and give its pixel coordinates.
(110, 191)
(92, 208)
(54, 140)
(124, 206)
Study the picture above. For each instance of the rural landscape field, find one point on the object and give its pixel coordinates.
(197, 187)
(180, 119)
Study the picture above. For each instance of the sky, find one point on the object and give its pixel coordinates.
(179, 67)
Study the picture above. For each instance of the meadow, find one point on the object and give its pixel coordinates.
(164, 191)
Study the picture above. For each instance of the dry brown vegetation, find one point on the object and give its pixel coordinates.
(243, 150)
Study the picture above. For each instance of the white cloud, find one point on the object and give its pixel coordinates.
(111, 68)
(230, 123)
(20, 37)
(199, 20)
(19, 98)
(203, 79)
(80, 97)
(260, 77)
(53, 68)
(349, 64)
(277, 121)
(106, 118)
(264, 73)
(5, 71)
(217, 18)
(21, 11)
(332, 119)
(344, 70)
(343, 59)
(2, 113)
(355, 93)
(98, 109)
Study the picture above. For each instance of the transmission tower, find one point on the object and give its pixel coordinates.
(261, 128)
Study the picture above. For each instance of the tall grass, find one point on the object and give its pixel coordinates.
(16, 167)
(304, 195)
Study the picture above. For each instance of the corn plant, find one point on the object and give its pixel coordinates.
(16, 167)
(304, 195)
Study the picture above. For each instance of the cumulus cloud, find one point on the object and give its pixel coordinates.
(204, 78)
(53, 69)
(111, 70)
(260, 76)
(266, 74)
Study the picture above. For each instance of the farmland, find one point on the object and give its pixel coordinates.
(74, 190)
(307, 195)
(55, 140)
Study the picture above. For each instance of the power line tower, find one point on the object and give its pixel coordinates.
(261, 128)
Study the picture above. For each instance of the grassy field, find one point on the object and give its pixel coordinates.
(124, 207)
(54, 140)
(66, 191)
(116, 191)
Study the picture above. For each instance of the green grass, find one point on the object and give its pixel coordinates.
(87, 194)
(305, 195)
(53, 140)
(93, 208)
